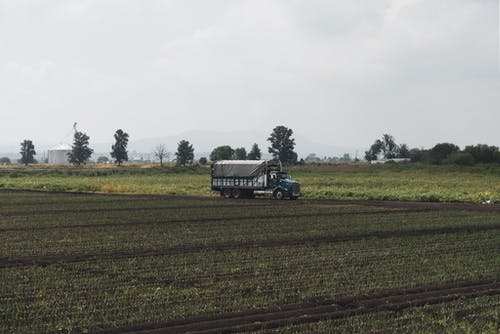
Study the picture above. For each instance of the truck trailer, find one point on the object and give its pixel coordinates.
(247, 178)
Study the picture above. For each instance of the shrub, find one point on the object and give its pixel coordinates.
(483, 153)
(440, 152)
(460, 158)
(418, 155)
(102, 160)
(5, 161)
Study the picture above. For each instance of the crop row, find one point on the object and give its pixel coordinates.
(180, 273)
(179, 278)
(99, 291)
(159, 288)
(475, 315)
(15, 205)
(145, 230)
(61, 214)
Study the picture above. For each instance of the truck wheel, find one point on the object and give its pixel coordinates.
(236, 193)
(278, 194)
(226, 193)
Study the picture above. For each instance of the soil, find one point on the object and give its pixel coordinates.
(49, 260)
(456, 206)
(278, 316)
(318, 309)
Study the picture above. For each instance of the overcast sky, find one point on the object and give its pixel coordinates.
(340, 72)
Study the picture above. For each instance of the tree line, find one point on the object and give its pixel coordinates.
(282, 148)
(441, 153)
(80, 150)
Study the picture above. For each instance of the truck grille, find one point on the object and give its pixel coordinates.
(296, 189)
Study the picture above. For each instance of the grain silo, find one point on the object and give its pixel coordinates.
(59, 154)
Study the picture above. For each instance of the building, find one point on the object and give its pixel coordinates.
(59, 154)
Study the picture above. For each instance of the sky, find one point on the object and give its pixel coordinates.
(336, 72)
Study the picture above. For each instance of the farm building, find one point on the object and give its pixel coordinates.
(59, 154)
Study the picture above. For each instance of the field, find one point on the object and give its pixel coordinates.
(147, 263)
(405, 182)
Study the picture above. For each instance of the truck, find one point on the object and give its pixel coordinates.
(247, 178)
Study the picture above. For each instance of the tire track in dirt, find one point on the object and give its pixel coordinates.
(459, 206)
(57, 259)
(123, 209)
(431, 206)
(317, 309)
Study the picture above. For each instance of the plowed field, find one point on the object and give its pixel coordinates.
(166, 264)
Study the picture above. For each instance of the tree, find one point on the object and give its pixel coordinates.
(102, 160)
(460, 158)
(119, 149)
(80, 151)
(374, 151)
(224, 152)
(312, 158)
(389, 147)
(419, 155)
(203, 161)
(282, 145)
(404, 151)
(185, 153)
(27, 152)
(346, 158)
(483, 153)
(5, 161)
(254, 153)
(160, 152)
(240, 153)
(441, 151)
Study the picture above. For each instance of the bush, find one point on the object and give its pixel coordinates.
(418, 155)
(440, 152)
(5, 161)
(460, 158)
(102, 160)
(224, 152)
(483, 153)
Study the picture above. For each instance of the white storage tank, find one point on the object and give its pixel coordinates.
(59, 154)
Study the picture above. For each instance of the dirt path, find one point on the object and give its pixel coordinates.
(459, 206)
(318, 309)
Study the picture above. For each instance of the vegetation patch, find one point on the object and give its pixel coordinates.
(86, 263)
(402, 182)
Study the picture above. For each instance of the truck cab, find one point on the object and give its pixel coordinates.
(283, 185)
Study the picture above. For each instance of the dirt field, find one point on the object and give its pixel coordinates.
(168, 264)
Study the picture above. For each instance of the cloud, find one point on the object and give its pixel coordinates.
(335, 71)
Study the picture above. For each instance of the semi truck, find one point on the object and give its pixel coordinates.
(247, 178)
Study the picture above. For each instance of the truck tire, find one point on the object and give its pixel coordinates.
(237, 193)
(279, 194)
(226, 193)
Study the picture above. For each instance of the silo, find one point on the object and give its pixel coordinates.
(59, 154)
